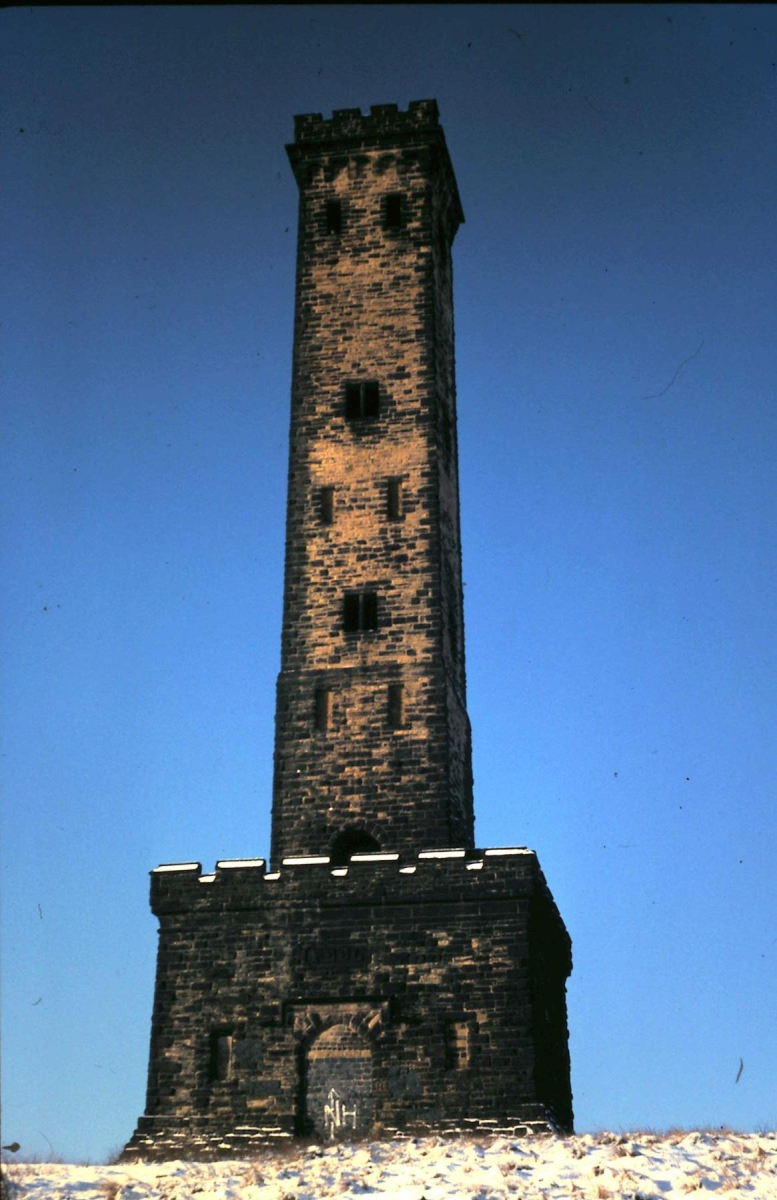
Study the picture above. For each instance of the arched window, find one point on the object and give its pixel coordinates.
(351, 841)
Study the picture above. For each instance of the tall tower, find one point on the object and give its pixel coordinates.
(386, 977)
(372, 734)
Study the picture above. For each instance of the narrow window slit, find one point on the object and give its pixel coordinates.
(394, 500)
(392, 212)
(326, 505)
(323, 709)
(396, 705)
(334, 216)
(220, 1057)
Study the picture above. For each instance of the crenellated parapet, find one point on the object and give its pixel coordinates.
(509, 873)
(383, 120)
(349, 140)
(315, 869)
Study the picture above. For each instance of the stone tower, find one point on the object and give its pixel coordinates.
(372, 734)
(385, 977)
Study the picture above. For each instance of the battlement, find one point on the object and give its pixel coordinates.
(450, 874)
(179, 887)
(347, 124)
(351, 138)
(236, 869)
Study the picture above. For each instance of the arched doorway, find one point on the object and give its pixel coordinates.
(351, 841)
(338, 1084)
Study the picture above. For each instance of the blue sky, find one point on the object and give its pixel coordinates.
(614, 299)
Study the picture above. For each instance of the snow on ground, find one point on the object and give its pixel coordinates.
(600, 1166)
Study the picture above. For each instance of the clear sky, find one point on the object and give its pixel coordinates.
(615, 303)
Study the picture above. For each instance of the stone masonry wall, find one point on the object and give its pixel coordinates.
(373, 304)
(421, 973)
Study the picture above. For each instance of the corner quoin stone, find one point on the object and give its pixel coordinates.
(365, 986)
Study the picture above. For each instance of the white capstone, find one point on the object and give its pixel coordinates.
(228, 864)
(443, 853)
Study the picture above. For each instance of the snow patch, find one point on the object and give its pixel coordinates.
(470, 1167)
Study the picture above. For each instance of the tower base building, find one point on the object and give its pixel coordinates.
(385, 977)
(376, 999)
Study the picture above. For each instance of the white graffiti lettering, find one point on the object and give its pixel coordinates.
(336, 1115)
